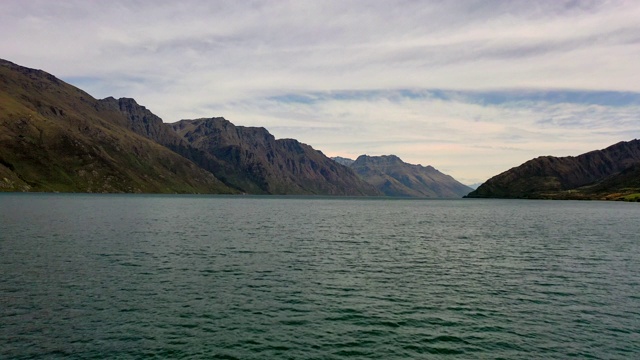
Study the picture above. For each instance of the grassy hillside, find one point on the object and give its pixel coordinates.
(54, 138)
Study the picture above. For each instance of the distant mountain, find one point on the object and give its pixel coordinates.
(343, 161)
(251, 159)
(55, 137)
(393, 177)
(474, 186)
(602, 174)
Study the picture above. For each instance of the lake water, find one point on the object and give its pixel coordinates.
(132, 276)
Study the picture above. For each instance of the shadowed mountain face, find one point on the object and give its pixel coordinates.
(393, 177)
(55, 137)
(600, 174)
(251, 159)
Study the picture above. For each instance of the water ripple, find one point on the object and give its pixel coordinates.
(253, 278)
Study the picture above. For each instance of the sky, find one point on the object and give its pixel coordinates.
(472, 88)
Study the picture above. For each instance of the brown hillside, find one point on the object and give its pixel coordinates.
(55, 137)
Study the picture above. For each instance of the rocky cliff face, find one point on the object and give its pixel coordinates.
(393, 177)
(251, 159)
(591, 175)
(140, 120)
(55, 137)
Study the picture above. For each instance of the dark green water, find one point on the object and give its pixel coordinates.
(109, 276)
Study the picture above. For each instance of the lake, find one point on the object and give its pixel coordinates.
(223, 277)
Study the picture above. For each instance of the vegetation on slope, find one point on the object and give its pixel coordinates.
(54, 138)
(610, 173)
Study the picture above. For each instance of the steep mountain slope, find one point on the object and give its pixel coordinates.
(393, 177)
(55, 137)
(145, 123)
(251, 159)
(596, 174)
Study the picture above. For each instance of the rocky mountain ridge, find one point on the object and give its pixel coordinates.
(254, 160)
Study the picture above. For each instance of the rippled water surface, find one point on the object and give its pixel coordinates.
(95, 276)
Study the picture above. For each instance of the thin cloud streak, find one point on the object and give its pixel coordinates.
(452, 84)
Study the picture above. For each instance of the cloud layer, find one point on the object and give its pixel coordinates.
(470, 87)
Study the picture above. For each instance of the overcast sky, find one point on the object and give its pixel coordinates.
(472, 88)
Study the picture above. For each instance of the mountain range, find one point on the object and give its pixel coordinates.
(56, 137)
(252, 159)
(247, 159)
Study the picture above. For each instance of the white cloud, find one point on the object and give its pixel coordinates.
(227, 58)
